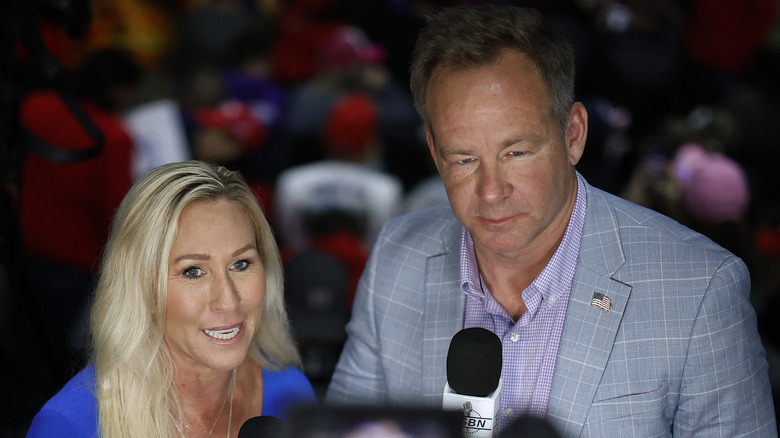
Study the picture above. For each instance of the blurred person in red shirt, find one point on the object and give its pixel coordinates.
(66, 200)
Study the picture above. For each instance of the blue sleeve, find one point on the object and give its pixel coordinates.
(282, 390)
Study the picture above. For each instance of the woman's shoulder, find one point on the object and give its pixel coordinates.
(71, 412)
(284, 378)
(283, 389)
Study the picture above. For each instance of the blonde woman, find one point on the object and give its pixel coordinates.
(191, 337)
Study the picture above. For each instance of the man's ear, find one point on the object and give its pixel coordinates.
(429, 138)
(576, 132)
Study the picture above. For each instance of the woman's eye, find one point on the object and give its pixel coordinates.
(241, 265)
(193, 272)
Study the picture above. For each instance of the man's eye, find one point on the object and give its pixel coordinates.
(465, 161)
(241, 265)
(193, 272)
(517, 153)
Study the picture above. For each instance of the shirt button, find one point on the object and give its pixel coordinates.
(514, 337)
(507, 412)
(553, 300)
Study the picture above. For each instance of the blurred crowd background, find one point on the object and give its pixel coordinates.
(309, 100)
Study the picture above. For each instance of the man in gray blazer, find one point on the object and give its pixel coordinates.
(614, 319)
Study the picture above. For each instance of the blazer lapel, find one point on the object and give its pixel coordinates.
(589, 332)
(444, 307)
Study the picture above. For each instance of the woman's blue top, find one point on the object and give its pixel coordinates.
(72, 412)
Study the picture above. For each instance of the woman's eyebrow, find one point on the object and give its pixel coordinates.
(208, 257)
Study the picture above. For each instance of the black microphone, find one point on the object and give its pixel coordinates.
(474, 380)
(264, 426)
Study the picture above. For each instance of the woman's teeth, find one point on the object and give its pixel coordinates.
(222, 334)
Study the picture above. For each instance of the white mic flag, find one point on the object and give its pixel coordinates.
(480, 414)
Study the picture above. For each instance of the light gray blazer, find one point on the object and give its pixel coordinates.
(678, 353)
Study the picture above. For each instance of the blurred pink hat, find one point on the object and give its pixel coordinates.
(714, 187)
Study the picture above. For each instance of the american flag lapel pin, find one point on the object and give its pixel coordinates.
(601, 301)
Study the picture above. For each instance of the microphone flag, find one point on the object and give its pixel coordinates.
(480, 414)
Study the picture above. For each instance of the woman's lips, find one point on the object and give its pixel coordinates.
(225, 335)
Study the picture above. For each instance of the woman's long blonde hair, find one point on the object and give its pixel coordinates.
(134, 369)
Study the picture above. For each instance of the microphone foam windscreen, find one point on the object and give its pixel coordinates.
(263, 427)
(474, 362)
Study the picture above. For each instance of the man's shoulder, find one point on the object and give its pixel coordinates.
(636, 225)
(431, 220)
(427, 231)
